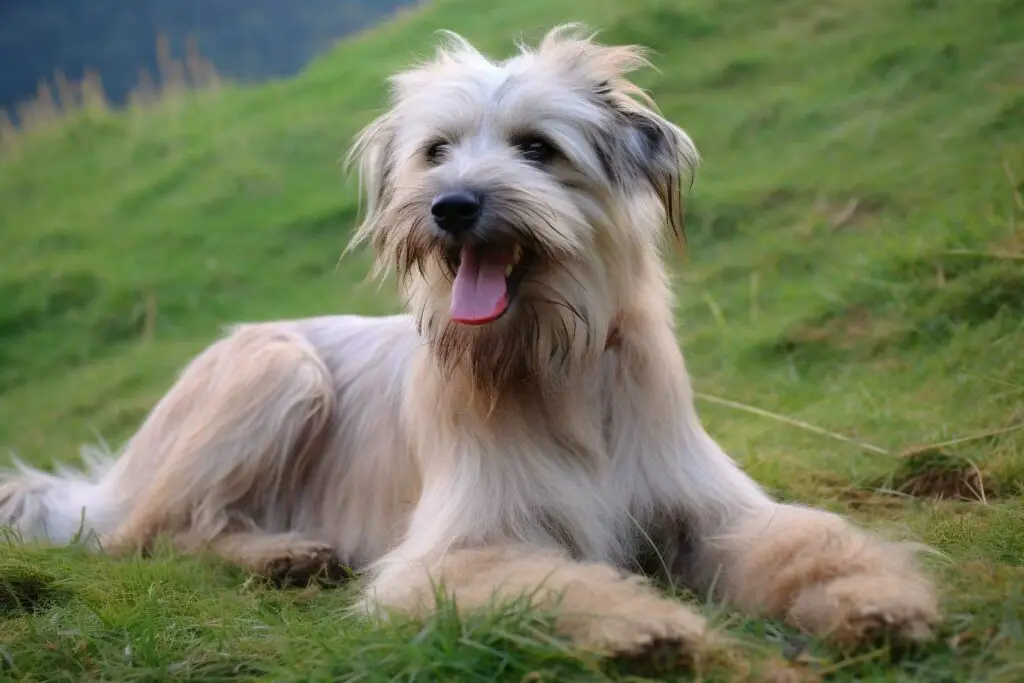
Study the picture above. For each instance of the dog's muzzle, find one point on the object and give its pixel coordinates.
(487, 274)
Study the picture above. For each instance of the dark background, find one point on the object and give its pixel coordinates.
(247, 40)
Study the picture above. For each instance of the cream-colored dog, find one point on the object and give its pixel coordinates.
(528, 426)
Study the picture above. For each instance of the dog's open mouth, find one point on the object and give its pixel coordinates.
(487, 278)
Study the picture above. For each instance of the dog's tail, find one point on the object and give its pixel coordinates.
(60, 507)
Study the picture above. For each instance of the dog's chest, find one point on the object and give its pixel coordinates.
(585, 508)
(582, 493)
(550, 475)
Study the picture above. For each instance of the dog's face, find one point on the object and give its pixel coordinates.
(520, 201)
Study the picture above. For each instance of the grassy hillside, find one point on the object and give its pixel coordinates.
(856, 268)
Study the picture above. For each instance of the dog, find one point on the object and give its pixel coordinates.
(526, 427)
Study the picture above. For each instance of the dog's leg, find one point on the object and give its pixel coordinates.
(594, 605)
(225, 449)
(283, 558)
(811, 568)
(820, 573)
(808, 567)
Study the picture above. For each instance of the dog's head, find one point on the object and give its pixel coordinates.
(521, 202)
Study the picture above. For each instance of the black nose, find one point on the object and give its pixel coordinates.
(456, 212)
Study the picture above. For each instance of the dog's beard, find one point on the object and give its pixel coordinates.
(532, 329)
(509, 306)
(534, 346)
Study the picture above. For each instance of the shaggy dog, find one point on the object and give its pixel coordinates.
(528, 426)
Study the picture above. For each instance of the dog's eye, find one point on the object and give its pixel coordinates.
(536, 150)
(435, 153)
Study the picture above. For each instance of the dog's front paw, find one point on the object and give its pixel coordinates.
(864, 609)
(660, 635)
(302, 566)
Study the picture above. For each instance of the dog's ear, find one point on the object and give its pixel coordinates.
(638, 147)
(652, 151)
(372, 156)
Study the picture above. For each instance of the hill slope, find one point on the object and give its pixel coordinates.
(856, 232)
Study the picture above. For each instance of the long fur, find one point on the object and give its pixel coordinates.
(557, 446)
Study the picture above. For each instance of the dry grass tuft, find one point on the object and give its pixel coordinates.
(66, 98)
(941, 474)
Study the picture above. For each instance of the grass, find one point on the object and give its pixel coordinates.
(854, 269)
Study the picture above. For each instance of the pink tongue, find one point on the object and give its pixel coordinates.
(479, 294)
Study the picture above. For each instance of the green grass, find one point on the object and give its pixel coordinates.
(855, 232)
